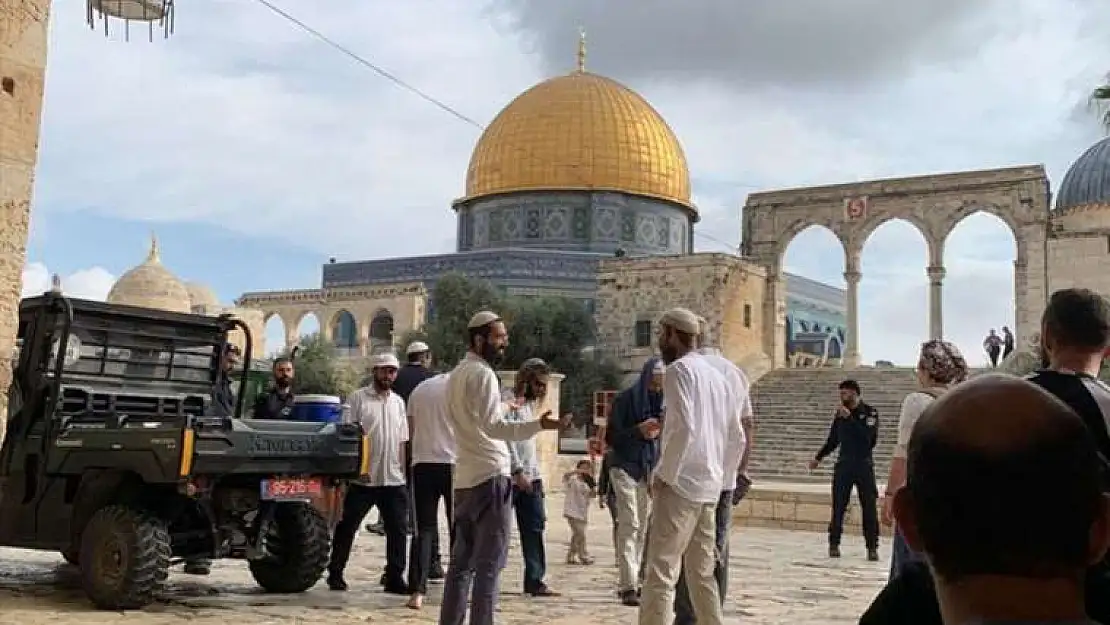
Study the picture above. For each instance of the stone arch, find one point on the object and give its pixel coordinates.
(788, 234)
(935, 204)
(380, 330)
(344, 330)
(287, 334)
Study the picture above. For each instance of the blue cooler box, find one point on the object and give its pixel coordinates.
(318, 408)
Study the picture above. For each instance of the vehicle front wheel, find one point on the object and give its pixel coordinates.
(125, 558)
(298, 543)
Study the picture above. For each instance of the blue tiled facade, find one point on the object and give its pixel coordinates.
(549, 243)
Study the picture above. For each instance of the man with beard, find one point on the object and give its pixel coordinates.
(223, 405)
(483, 487)
(632, 434)
(733, 492)
(382, 415)
(418, 358)
(528, 494)
(1075, 336)
(277, 403)
(701, 444)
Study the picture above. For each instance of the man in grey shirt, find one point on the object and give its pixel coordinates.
(977, 456)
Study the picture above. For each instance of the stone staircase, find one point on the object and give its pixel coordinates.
(793, 410)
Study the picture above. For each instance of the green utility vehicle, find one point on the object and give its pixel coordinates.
(114, 457)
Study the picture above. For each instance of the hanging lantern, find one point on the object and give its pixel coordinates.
(150, 12)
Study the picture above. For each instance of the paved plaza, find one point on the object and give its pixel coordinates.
(777, 577)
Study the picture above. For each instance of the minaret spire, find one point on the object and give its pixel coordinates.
(581, 49)
(153, 256)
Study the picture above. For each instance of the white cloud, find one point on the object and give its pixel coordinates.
(92, 283)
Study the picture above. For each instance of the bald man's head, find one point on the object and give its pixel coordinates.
(1003, 479)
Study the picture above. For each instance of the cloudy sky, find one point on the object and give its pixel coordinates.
(257, 152)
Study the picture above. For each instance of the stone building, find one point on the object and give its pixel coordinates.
(576, 170)
(1079, 234)
(151, 285)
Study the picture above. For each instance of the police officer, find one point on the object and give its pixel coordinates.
(277, 403)
(855, 430)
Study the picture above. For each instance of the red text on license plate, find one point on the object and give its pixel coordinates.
(279, 488)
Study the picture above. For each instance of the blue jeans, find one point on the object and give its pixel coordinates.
(531, 519)
(901, 554)
(683, 609)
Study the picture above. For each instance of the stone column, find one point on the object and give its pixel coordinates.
(936, 308)
(23, 41)
(774, 320)
(851, 351)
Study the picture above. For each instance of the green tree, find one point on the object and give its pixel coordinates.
(556, 329)
(319, 370)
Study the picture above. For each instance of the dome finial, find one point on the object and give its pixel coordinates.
(581, 49)
(153, 256)
(56, 283)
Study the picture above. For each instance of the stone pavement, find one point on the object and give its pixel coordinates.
(777, 577)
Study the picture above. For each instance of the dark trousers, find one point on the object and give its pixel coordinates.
(479, 548)
(531, 519)
(861, 476)
(430, 484)
(992, 353)
(683, 609)
(392, 504)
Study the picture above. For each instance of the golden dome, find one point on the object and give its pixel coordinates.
(580, 132)
(151, 285)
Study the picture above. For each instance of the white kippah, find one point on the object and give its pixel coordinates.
(384, 360)
(681, 319)
(483, 318)
(417, 347)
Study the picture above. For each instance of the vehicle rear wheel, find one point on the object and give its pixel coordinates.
(299, 545)
(125, 556)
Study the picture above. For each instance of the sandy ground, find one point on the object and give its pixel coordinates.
(776, 577)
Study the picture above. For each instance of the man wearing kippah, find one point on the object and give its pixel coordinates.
(483, 488)
(382, 415)
(700, 448)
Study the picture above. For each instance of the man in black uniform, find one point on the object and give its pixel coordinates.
(277, 403)
(1075, 335)
(855, 430)
(223, 405)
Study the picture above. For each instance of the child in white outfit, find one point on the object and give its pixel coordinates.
(580, 488)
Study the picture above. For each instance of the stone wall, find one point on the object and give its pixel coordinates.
(23, 42)
(725, 289)
(547, 443)
(1079, 250)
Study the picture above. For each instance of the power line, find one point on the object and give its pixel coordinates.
(361, 60)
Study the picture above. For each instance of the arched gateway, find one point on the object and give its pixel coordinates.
(935, 204)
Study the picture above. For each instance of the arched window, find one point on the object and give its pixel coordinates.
(381, 330)
(344, 330)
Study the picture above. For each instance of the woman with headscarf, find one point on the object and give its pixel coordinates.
(939, 366)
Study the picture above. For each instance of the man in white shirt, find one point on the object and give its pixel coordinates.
(700, 448)
(738, 383)
(382, 414)
(528, 493)
(483, 488)
(433, 457)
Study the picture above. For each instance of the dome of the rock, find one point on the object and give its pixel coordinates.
(1087, 182)
(151, 285)
(580, 132)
